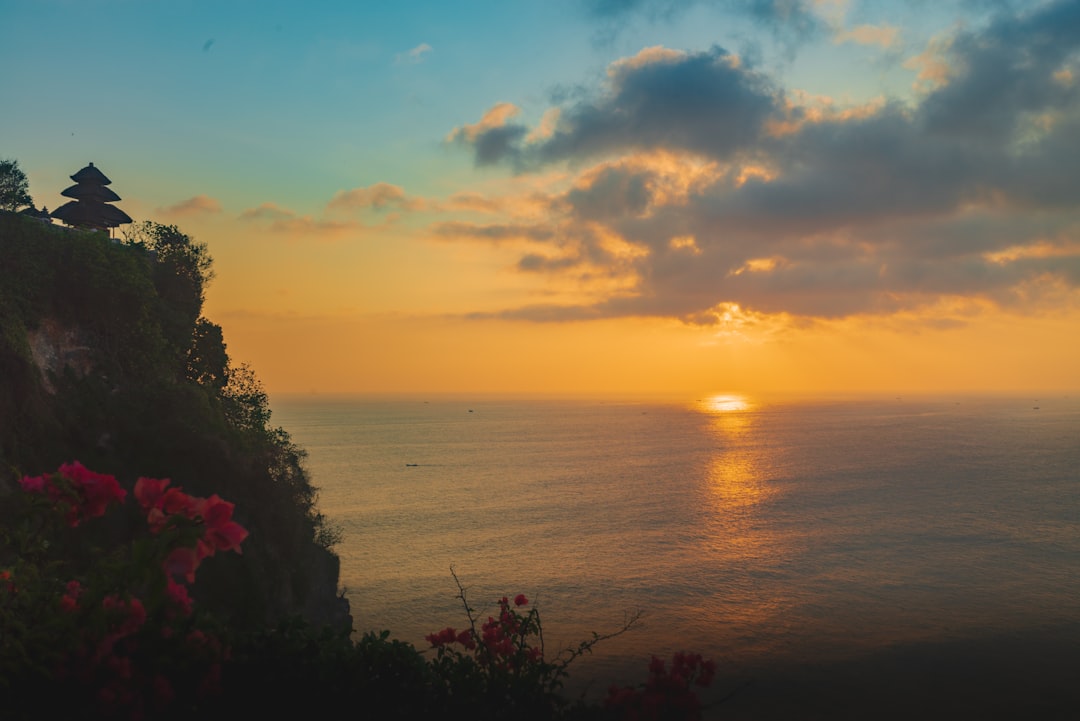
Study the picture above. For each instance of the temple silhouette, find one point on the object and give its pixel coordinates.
(91, 205)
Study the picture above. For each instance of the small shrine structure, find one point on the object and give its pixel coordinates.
(90, 207)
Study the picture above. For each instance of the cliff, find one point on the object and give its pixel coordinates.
(105, 358)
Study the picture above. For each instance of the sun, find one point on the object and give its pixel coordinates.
(726, 403)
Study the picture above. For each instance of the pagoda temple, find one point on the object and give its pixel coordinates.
(90, 207)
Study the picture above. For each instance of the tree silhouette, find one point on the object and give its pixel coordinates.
(14, 187)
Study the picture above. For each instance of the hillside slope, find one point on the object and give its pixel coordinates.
(106, 359)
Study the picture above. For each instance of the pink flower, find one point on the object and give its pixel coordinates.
(178, 596)
(442, 638)
(33, 484)
(96, 490)
(215, 512)
(465, 638)
(226, 537)
(148, 492)
(128, 616)
(520, 600)
(69, 602)
(182, 562)
(176, 501)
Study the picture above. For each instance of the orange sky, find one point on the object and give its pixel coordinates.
(676, 198)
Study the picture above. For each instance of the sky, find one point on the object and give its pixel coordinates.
(593, 196)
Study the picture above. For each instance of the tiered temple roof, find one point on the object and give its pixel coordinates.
(90, 207)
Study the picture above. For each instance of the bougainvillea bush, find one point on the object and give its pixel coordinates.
(96, 618)
(499, 668)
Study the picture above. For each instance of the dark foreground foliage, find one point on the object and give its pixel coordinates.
(105, 357)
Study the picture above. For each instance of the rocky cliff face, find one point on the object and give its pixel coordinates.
(55, 347)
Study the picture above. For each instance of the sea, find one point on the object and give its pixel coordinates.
(884, 557)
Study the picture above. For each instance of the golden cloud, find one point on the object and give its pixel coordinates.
(496, 117)
(198, 205)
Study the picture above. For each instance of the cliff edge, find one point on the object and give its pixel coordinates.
(105, 358)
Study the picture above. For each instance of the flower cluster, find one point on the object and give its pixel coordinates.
(665, 694)
(165, 507)
(83, 493)
(503, 642)
(118, 623)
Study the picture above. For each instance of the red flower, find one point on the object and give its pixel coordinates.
(148, 492)
(520, 600)
(128, 616)
(226, 537)
(96, 490)
(69, 602)
(35, 484)
(179, 597)
(443, 637)
(176, 501)
(215, 512)
(465, 638)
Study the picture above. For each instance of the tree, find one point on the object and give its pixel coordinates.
(14, 187)
(182, 267)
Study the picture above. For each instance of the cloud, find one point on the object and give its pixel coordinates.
(282, 220)
(492, 138)
(474, 201)
(886, 36)
(380, 196)
(698, 181)
(704, 102)
(494, 232)
(198, 205)
(415, 56)
(267, 211)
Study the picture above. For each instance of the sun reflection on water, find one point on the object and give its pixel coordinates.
(741, 540)
(738, 482)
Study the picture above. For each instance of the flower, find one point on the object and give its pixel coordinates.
(442, 638)
(215, 511)
(178, 595)
(69, 602)
(182, 562)
(148, 492)
(33, 484)
(226, 537)
(465, 638)
(95, 490)
(520, 600)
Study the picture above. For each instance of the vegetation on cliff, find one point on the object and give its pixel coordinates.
(105, 357)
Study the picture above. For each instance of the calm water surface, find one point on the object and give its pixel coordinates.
(757, 533)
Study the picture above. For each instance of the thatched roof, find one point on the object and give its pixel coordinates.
(85, 191)
(91, 214)
(91, 176)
